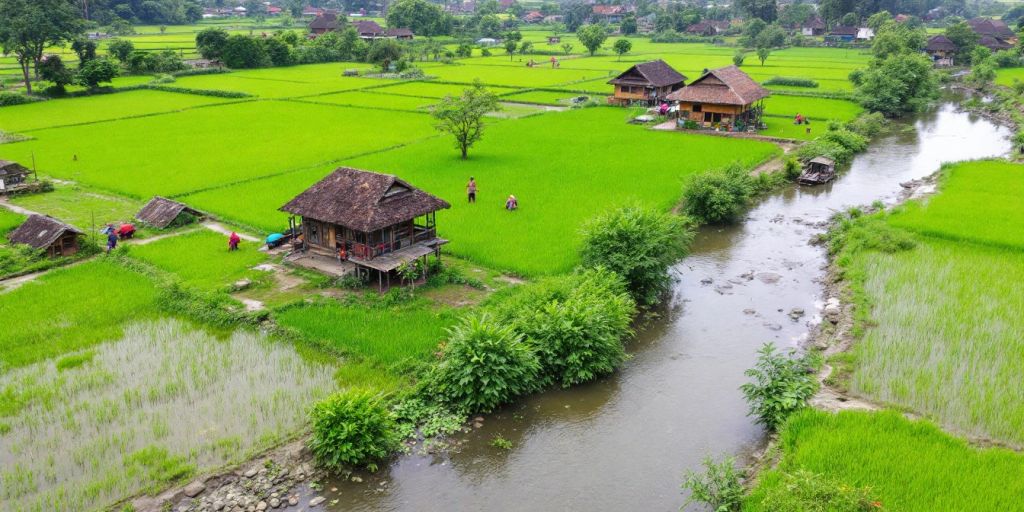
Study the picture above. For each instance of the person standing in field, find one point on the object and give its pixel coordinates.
(233, 241)
(511, 204)
(111, 241)
(471, 190)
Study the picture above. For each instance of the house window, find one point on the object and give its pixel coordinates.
(314, 232)
(626, 89)
(697, 107)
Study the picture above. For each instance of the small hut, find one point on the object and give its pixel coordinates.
(724, 98)
(375, 221)
(12, 174)
(819, 170)
(941, 49)
(647, 83)
(42, 232)
(161, 212)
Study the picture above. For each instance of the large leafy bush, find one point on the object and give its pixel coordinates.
(719, 196)
(354, 428)
(781, 386)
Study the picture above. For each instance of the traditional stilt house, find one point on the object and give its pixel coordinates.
(724, 99)
(941, 49)
(375, 221)
(647, 83)
(42, 232)
(12, 174)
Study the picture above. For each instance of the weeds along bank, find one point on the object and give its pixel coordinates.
(937, 332)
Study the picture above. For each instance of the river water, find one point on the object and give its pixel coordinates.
(623, 443)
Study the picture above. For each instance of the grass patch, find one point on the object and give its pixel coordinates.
(909, 466)
(434, 89)
(817, 109)
(81, 207)
(370, 99)
(201, 258)
(8, 221)
(542, 97)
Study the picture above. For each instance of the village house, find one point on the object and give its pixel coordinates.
(708, 28)
(941, 50)
(161, 213)
(46, 233)
(647, 83)
(374, 222)
(813, 27)
(367, 29)
(12, 174)
(533, 17)
(724, 99)
(996, 29)
(324, 22)
(607, 13)
(842, 35)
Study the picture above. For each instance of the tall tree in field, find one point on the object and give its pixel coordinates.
(762, 54)
(383, 52)
(463, 116)
(420, 16)
(622, 47)
(592, 37)
(27, 27)
(510, 48)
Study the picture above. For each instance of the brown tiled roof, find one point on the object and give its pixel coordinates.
(724, 86)
(994, 43)
(325, 21)
(40, 231)
(814, 22)
(368, 28)
(940, 43)
(656, 73)
(399, 32)
(8, 167)
(160, 212)
(991, 27)
(363, 200)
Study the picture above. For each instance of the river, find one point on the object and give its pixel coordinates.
(623, 443)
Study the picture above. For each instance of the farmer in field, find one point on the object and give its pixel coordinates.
(233, 241)
(799, 119)
(511, 204)
(554, 62)
(111, 241)
(471, 190)
(126, 231)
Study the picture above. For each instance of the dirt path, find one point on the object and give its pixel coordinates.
(17, 209)
(220, 228)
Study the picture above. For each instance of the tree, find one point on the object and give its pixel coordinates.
(592, 37)
(525, 47)
(876, 20)
(121, 49)
(895, 38)
(52, 69)
(628, 25)
(639, 244)
(85, 49)
(510, 48)
(766, 10)
(794, 15)
(850, 19)
(383, 52)
(762, 54)
(567, 48)
(27, 27)
(352, 427)
(983, 73)
(278, 51)
(420, 16)
(963, 36)
(720, 486)
(773, 36)
(739, 57)
(96, 71)
(622, 47)
(462, 116)
(210, 42)
(718, 197)
(242, 51)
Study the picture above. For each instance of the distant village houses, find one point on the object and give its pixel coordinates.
(367, 29)
(646, 83)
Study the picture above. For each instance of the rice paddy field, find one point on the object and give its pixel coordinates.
(8, 221)
(201, 258)
(946, 329)
(909, 466)
(83, 208)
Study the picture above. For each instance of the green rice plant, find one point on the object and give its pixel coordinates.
(541, 97)
(201, 258)
(83, 208)
(376, 98)
(8, 221)
(162, 403)
(909, 466)
(383, 335)
(71, 309)
(434, 89)
(791, 81)
(818, 109)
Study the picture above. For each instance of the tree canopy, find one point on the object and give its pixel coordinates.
(592, 37)
(422, 17)
(27, 27)
(462, 116)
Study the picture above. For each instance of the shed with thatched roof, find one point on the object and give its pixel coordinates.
(42, 232)
(376, 221)
(323, 23)
(647, 82)
(12, 174)
(724, 98)
(941, 49)
(161, 212)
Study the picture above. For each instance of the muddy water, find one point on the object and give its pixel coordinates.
(623, 443)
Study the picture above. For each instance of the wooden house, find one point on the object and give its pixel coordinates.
(403, 34)
(941, 49)
(647, 83)
(813, 27)
(369, 29)
(42, 232)
(993, 28)
(724, 98)
(12, 174)
(994, 43)
(376, 221)
(324, 22)
(842, 35)
(161, 212)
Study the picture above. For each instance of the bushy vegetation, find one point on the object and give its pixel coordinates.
(804, 491)
(780, 385)
(719, 196)
(352, 428)
(576, 325)
(791, 81)
(720, 486)
(484, 364)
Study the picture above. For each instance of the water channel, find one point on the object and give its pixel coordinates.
(623, 443)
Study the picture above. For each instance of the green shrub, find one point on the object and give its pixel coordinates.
(852, 234)
(8, 99)
(352, 428)
(718, 197)
(792, 169)
(720, 486)
(484, 364)
(804, 491)
(867, 124)
(574, 324)
(781, 386)
(791, 81)
(639, 244)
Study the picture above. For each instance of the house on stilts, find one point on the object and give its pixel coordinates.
(362, 221)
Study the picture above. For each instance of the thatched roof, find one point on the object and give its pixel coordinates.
(814, 22)
(40, 231)
(991, 27)
(363, 200)
(723, 86)
(399, 32)
(656, 73)
(823, 160)
(994, 43)
(9, 168)
(368, 28)
(940, 43)
(160, 212)
(325, 21)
